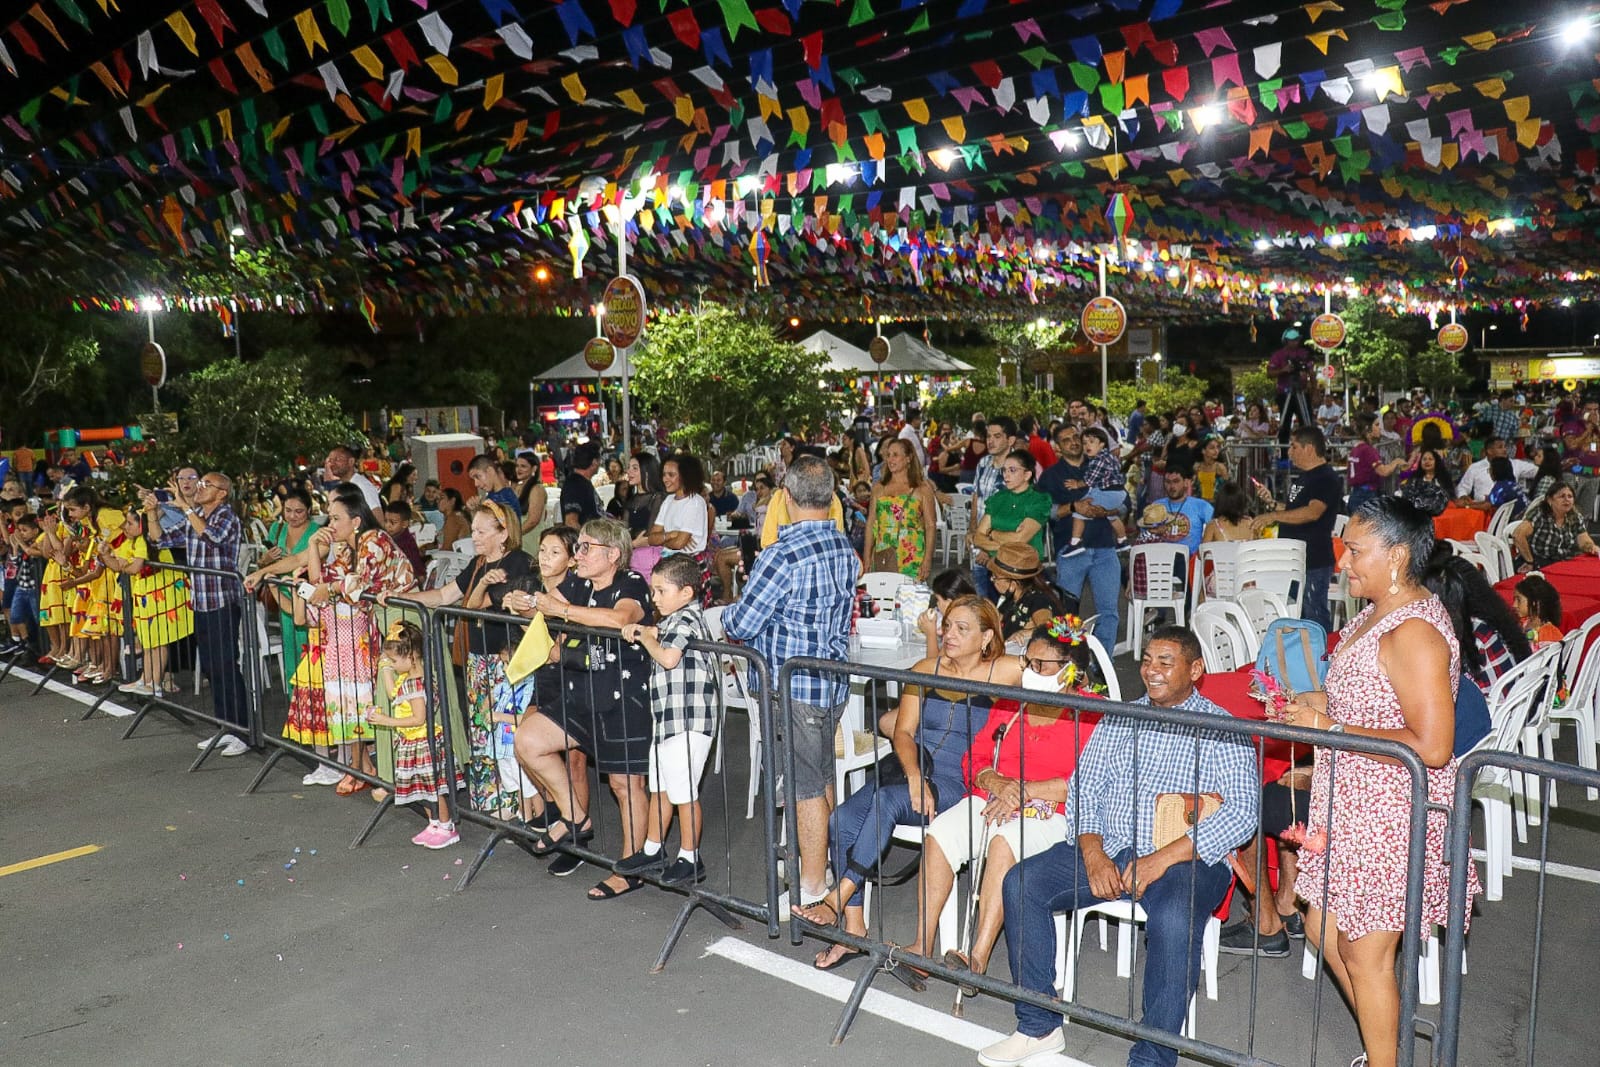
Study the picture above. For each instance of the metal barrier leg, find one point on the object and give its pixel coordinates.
(485, 852)
(681, 923)
(50, 672)
(372, 824)
(211, 746)
(276, 754)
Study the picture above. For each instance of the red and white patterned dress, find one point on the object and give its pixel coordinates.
(1368, 841)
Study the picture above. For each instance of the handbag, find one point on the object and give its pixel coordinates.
(1178, 813)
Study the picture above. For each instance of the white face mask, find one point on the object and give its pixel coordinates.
(1033, 681)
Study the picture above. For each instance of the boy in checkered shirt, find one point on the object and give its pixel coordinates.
(1107, 489)
(683, 700)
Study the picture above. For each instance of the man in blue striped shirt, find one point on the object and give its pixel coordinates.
(797, 603)
(1111, 855)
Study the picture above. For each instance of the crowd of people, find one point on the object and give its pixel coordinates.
(1058, 805)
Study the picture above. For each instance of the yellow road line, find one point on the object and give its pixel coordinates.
(45, 861)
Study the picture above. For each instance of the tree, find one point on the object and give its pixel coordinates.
(712, 371)
(1175, 390)
(246, 418)
(43, 357)
(959, 405)
(1256, 384)
(1439, 371)
(1021, 343)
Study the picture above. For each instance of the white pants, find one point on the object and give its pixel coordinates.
(959, 830)
(675, 766)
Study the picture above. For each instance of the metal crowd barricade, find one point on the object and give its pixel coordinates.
(327, 671)
(1573, 1047)
(162, 636)
(885, 955)
(492, 787)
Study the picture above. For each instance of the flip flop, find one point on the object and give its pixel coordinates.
(799, 912)
(349, 785)
(605, 891)
(840, 960)
(958, 960)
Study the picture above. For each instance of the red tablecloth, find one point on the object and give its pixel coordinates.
(1459, 524)
(1230, 690)
(1578, 582)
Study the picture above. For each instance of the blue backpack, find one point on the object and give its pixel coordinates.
(1295, 653)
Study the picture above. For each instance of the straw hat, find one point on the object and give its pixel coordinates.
(1155, 515)
(1015, 560)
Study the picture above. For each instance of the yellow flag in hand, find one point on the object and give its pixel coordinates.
(533, 651)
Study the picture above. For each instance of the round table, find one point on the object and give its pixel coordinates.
(1459, 523)
(1578, 582)
(1230, 690)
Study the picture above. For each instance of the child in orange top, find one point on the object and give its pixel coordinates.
(1538, 605)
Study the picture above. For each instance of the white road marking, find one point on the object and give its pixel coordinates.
(110, 707)
(1558, 870)
(918, 1017)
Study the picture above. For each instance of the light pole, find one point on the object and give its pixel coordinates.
(237, 231)
(1483, 335)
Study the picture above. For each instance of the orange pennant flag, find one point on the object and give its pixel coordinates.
(252, 66)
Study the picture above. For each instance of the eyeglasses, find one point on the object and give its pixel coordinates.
(188, 477)
(1044, 666)
(1012, 470)
(582, 547)
(208, 485)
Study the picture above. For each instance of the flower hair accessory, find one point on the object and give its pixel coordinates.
(396, 630)
(1068, 629)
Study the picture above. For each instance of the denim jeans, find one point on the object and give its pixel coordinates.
(860, 829)
(1103, 571)
(217, 638)
(1053, 881)
(1315, 606)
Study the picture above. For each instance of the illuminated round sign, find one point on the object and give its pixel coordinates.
(1570, 385)
(624, 320)
(1327, 332)
(1453, 337)
(1329, 372)
(599, 354)
(153, 365)
(581, 405)
(878, 349)
(1104, 320)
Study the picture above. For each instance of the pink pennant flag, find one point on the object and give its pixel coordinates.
(1213, 38)
(1225, 69)
(1412, 57)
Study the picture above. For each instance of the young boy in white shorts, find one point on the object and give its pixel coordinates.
(683, 701)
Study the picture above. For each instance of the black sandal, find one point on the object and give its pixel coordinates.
(605, 891)
(798, 910)
(845, 956)
(547, 842)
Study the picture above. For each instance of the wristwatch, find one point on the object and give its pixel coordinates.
(1336, 727)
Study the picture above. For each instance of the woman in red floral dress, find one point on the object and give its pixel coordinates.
(1393, 677)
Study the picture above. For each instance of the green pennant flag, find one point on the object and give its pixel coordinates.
(1297, 130)
(736, 16)
(1393, 21)
(1039, 56)
(247, 109)
(862, 12)
(972, 157)
(908, 139)
(494, 154)
(273, 41)
(1074, 168)
(921, 24)
(319, 118)
(190, 149)
(1085, 76)
(843, 153)
(1268, 93)
(29, 111)
(1342, 146)
(72, 150)
(736, 113)
(444, 108)
(339, 15)
(378, 13)
(369, 109)
(1451, 54)
(1111, 97)
(850, 76)
(71, 9)
(205, 133)
(872, 122)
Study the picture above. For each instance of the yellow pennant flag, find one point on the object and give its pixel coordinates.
(770, 108)
(1481, 42)
(1493, 88)
(918, 111)
(683, 107)
(493, 89)
(1316, 11)
(1517, 109)
(310, 32)
(185, 32)
(1386, 80)
(574, 87)
(533, 651)
(1528, 132)
(799, 119)
(631, 101)
(445, 69)
(369, 61)
(956, 129)
(1321, 39)
(414, 141)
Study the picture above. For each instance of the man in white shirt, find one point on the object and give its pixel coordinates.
(912, 432)
(1476, 483)
(1329, 413)
(340, 466)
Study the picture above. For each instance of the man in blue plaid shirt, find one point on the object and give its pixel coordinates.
(210, 533)
(1111, 855)
(798, 603)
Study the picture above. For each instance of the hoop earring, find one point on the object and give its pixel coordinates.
(1394, 581)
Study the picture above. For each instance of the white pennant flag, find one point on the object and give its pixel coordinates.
(147, 54)
(516, 39)
(332, 80)
(434, 29)
(1268, 57)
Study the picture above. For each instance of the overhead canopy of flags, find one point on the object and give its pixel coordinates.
(965, 158)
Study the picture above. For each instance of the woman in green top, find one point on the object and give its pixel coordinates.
(289, 536)
(902, 514)
(1017, 512)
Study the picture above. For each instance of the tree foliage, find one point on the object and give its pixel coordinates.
(1175, 390)
(1394, 353)
(1256, 384)
(44, 359)
(712, 371)
(959, 405)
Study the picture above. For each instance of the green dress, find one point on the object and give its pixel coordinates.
(294, 637)
(898, 539)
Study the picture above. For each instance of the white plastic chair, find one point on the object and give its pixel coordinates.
(882, 587)
(605, 493)
(1498, 790)
(1220, 641)
(1498, 552)
(1127, 915)
(256, 533)
(1216, 572)
(1500, 521)
(736, 694)
(1276, 565)
(955, 524)
(1427, 966)
(1582, 674)
(425, 533)
(270, 644)
(949, 915)
(1243, 627)
(1263, 608)
(1108, 672)
(1158, 578)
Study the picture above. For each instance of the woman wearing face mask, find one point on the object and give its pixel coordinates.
(932, 734)
(1019, 764)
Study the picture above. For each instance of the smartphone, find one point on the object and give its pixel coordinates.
(164, 496)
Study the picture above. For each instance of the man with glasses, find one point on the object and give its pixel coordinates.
(210, 537)
(1097, 565)
(797, 603)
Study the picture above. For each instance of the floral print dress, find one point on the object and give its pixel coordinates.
(1368, 837)
(897, 537)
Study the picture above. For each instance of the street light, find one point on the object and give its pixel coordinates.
(1483, 335)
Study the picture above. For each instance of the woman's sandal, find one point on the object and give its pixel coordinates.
(958, 960)
(547, 842)
(349, 785)
(799, 911)
(606, 891)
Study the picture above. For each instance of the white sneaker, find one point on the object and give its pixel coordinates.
(1020, 1048)
(137, 687)
(323, 775)
(232, 746)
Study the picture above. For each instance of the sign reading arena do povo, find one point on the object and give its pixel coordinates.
(624, 318)
(1104, 320)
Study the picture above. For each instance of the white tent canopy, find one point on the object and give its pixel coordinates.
(575, 369)
(843, 357)
(910, 355)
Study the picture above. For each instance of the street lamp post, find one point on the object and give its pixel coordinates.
(237, 231)
(1483, 335)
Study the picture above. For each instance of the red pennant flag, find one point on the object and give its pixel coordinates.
(25, 39)
(219, 71)
(1176, 82)
(401, 49)
(1137, 35)
(215, 17)
(623, 11)
(684, 27)
(774, 21)
(812, 43)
